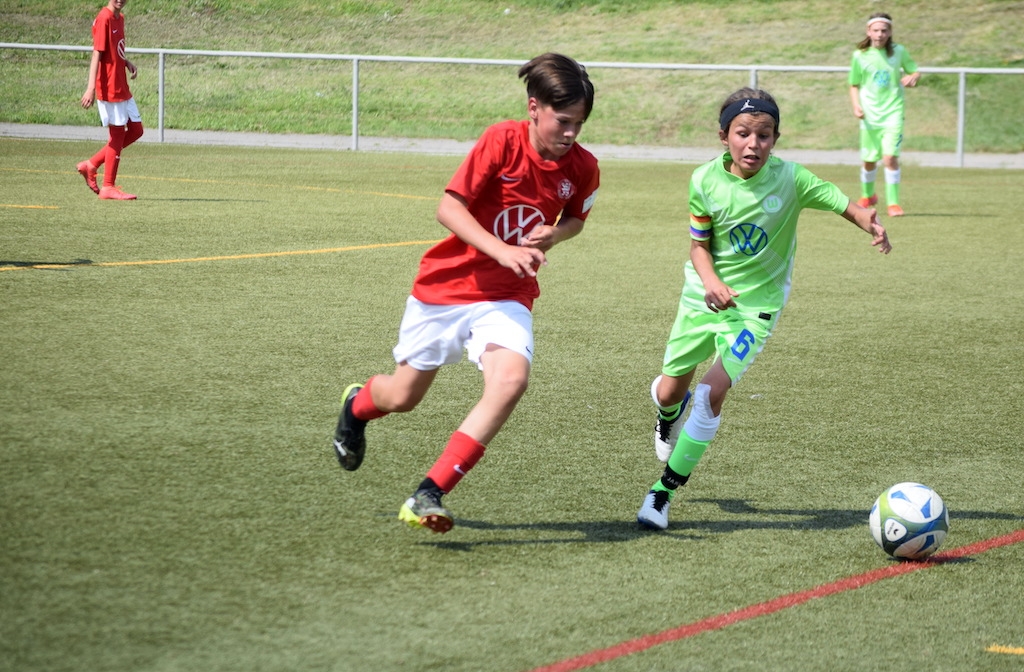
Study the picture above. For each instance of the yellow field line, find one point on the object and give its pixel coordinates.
(227, 182)
(230, 257)
(1016, 651)
(260, 255)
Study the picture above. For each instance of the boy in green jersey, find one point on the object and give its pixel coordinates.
(876, 92)
(744, 208)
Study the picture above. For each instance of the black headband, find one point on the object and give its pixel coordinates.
(747, 105)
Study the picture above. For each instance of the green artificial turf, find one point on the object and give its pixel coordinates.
(172, 367)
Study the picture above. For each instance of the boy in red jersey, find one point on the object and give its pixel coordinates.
(108, 86)
(475, 289)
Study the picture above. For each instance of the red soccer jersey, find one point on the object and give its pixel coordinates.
(510, 190)
(108, 39)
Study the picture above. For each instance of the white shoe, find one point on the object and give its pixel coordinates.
(667, 432)
(654, 512)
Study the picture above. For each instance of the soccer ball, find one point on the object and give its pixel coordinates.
(909, 521)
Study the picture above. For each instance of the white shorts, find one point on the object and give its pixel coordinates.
(432, 335)
(118, 114)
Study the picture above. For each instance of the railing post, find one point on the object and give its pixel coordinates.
(160, 95)
(961, 119)
(355, 104)
(753, 78)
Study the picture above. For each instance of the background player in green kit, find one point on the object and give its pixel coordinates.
(744, 208)
(876, 92)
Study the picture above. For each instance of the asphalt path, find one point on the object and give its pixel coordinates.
(460, 148)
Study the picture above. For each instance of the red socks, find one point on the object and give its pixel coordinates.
(362, 405)
(113, 155)
(110, 154)
(459, 456)
(133, 133)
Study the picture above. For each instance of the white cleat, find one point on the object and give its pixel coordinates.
(654, 512)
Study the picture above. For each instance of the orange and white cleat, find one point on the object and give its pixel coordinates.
(86, 170)
(115, 194)
(895, 211)
(867, 202)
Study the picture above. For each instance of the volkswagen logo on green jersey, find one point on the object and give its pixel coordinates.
(748, 239)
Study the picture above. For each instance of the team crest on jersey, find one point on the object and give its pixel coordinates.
(512, 224)
(565, 190)
(771, 203)
(748, 239)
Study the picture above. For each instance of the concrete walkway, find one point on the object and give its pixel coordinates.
(460, 148)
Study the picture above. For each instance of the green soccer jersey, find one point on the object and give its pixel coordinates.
(877, 76)
(751, 226)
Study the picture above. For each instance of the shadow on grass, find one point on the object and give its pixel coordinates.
(915, 215)
(681, 527)
(45, 264)
(208, 200)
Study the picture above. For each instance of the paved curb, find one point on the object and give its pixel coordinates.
(460, 148)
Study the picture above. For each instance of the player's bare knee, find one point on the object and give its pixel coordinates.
(403, 401)
(509, 385)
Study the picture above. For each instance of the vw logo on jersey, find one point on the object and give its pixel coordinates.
(748, 239)
(512, 224)
(882, 79)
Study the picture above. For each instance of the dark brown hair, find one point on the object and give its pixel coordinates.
(558, 81)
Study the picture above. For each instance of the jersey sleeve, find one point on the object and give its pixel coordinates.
(100, 32)
(479, 166)
(817, 194)
(583, 200)
(700, 215)
(856, 73)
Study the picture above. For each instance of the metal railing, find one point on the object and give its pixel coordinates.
(356, 59)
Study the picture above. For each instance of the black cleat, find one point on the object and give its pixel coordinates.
(424, 509)
(349, 443)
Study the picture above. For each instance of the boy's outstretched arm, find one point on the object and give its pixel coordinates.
(867, 219)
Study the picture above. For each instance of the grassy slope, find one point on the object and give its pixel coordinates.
(633, 106)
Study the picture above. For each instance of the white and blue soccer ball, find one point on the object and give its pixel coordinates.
(909, 521)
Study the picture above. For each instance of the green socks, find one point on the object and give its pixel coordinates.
(684, 458)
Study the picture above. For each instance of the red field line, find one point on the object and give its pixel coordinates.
(771, 606)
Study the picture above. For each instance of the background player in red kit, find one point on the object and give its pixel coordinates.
(108, 86)
(475, 289)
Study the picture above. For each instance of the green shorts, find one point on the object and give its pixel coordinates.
(878, 142)
(735, 339)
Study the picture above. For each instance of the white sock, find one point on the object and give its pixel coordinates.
(702, 425)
